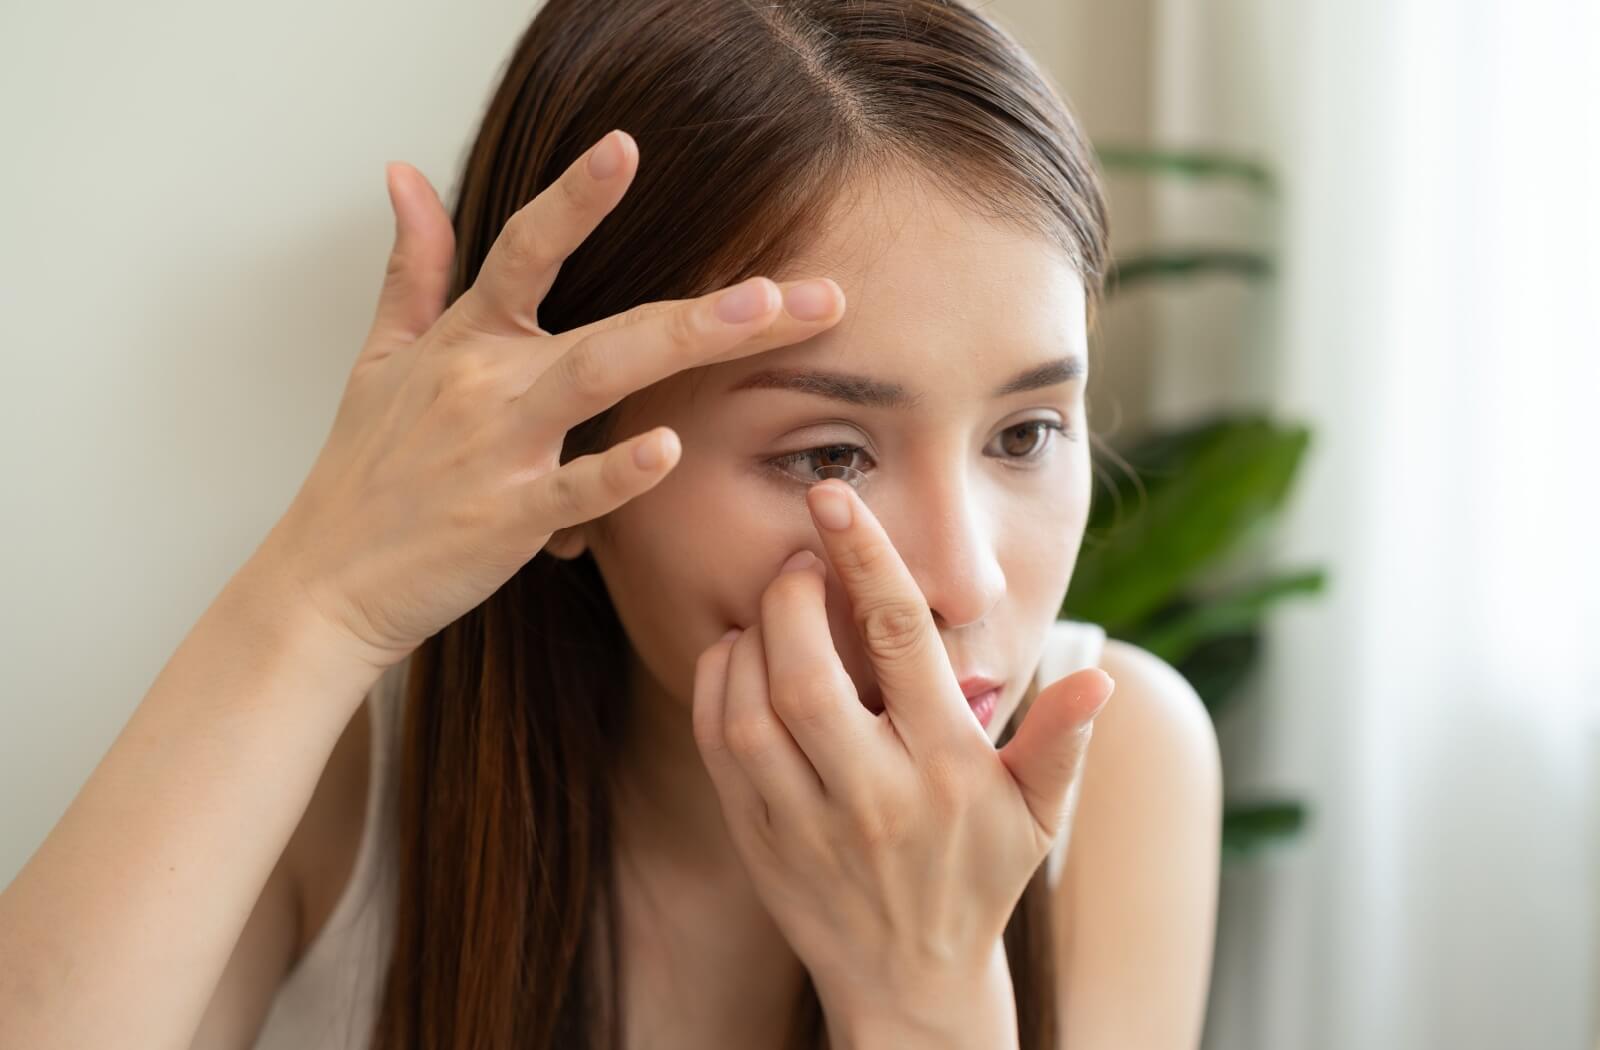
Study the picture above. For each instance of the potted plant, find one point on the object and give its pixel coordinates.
(1153, 568)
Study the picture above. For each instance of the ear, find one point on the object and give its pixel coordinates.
(567, 543)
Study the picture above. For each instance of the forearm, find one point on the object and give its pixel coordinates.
(972, 1011)
(117, 929)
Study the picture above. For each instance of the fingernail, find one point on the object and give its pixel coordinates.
(797, 561)
(647, 454)
(606, 160)
(743, 302)
(808, 301)
(830, 507)
(733, 632)
(1111, 687)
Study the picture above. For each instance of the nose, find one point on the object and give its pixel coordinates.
(946, 537)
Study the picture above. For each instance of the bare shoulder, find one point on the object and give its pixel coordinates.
(1136, 903)
(1158, 705)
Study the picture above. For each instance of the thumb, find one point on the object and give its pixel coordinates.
(418, 275)
(1045, 754)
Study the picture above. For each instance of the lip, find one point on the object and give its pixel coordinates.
(984, 706)
(973, 687)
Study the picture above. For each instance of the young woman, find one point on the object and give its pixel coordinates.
(522, 728)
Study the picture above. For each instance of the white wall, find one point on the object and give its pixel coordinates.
(193, 226)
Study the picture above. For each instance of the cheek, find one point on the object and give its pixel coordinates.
(1038, 549)
(690, 557)
(675, 548)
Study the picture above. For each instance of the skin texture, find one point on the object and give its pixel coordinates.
(949, 305)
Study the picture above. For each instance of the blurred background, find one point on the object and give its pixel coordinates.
(1349, 366)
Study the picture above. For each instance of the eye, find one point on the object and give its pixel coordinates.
(824, 456)
(1032, 438)
(1029, 441)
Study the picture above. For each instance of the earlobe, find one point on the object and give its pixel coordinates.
(566, 544)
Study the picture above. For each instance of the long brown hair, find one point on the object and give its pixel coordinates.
(750, 117)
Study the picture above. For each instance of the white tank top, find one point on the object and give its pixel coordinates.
(329, 1000)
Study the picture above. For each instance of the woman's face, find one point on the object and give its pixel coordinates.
(984, 499)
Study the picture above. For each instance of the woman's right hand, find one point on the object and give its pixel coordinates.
(441, 476)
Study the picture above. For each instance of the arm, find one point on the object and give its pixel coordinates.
(311, 877)
(1136, 904)
(244, 993)
(117, 930)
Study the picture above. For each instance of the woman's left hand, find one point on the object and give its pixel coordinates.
(890, 849)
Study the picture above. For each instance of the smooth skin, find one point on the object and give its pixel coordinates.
(892, 847)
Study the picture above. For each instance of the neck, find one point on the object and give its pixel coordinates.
(707, 958)
(668, 808)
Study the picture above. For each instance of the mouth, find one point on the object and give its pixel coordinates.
(983, 697)
(983, 706)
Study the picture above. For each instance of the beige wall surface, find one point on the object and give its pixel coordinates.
(193, 226)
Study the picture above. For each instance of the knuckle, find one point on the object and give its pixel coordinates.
(747, 735)
(712, 745)
(874, 823)
(860, 561)
(565, 495)
(707, 734)
(585, 371)
(465, 371)
(527, 248)
(395, 271)
(891, 629)
(682, 328)
(783, 593)
(464, 377)
(636, 315)
(572, 189)
(468, 517)
(807, 699)
(522, 247)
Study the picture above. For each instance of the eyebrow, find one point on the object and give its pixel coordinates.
(877, 393)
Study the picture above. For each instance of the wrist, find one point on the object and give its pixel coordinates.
(964, 1009)
(271, 608)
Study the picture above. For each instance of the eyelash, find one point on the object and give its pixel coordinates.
(781, 462)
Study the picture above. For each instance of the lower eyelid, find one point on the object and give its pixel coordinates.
(1048, 424)
(783, 462)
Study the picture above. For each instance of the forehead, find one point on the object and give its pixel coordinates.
(929, 283)
(937, 298)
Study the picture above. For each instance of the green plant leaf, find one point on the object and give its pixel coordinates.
(1219, 666)
(1194, 164)
(1204, 487)
(1171, 265)
(1248, 827)
(1175, 637)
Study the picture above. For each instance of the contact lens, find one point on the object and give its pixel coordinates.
(855, 478)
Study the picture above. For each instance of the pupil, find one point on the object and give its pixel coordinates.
(1025, 430)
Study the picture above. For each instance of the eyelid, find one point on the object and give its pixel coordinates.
(1061, 428)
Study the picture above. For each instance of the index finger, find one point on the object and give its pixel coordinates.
(527, 254)
(920, 691)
